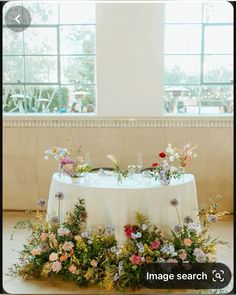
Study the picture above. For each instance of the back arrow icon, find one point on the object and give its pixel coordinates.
(16, 18)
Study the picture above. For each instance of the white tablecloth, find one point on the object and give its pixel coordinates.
(108, 202)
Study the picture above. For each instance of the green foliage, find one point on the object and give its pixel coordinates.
(76, 220)
(141, 218)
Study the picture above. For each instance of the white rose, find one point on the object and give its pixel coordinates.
(53, 256)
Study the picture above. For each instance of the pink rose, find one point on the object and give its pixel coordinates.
(63, 232)
(187, 242)
(182, 254)
(56, 266)
(94, 263)
(155, 245)
(135, 259)
(43, 237)
(72, 268)
(53, 256)
(67, 246)
(36, 252)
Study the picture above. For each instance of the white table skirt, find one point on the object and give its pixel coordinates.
(108, 202)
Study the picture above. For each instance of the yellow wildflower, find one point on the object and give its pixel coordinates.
(54, 150)
(124, 250)
(89, 274)
(108, 282)
(46, 269)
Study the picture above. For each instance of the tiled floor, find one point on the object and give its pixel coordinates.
(223, 230)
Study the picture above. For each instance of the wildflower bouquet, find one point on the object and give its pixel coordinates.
(121, 174)
(67, 165)
(72, 252)
(172, 163)
(193, 243)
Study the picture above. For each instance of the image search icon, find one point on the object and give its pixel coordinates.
(17, 18)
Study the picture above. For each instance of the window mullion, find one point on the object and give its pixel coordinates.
(59, 58)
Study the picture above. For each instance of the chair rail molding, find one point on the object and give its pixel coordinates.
(67, 121)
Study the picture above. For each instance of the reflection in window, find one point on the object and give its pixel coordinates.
(198, 58)
(50, 67)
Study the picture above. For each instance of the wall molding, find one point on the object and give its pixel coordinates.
(96, 122)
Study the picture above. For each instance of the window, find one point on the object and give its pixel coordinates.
(198, 58)
(50, 67)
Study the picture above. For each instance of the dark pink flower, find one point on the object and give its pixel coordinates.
(66, 160)
(135, 259)
(155, 245)
(162, 155)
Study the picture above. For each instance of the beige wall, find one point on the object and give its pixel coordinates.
(129, 54)
(27, 175)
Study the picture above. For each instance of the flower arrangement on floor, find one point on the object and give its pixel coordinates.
(121, 174)
(172, 163)
(67, 165)
(72, 252)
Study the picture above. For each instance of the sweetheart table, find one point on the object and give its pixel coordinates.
(110, 202)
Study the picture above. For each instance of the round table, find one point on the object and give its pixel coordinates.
(110, 202)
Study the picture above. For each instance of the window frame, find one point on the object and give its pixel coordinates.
(58, 56)
(202, 55)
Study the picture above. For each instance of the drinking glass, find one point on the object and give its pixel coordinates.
(139, 162)
(131, 170)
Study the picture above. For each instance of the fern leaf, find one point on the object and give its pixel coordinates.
(141, 218)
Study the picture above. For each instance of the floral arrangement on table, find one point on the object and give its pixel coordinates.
(172, 163)
(72, 252)
(121, 174)
(67, 165)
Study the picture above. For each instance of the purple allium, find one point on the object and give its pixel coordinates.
(55, 220)
(140, 247)
(41, 203)
(59, 195)
(197, 251)
(116, 277)
(178, 228)
(113, 249)
(85, 234)
(120, 267)
(212, 218)
(188, 219)
(194, 227)
(201, 257)
(109, 230)
(174, 202)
